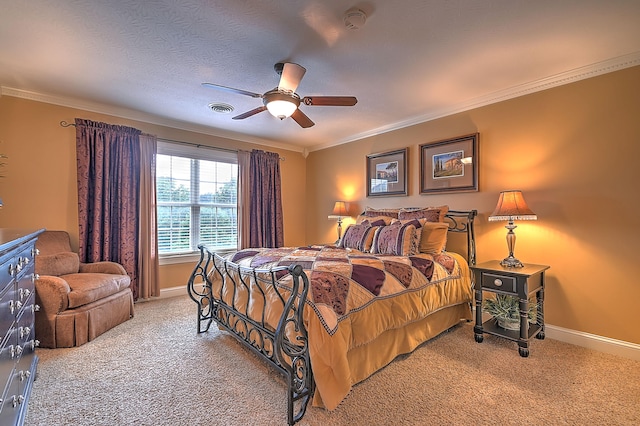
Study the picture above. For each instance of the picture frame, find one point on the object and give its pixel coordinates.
(449, 165)
(387, 173)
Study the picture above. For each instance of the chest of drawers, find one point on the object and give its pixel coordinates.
(18, 360)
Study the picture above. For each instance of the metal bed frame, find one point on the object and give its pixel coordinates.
(286, 348)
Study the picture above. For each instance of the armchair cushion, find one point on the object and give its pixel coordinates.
(104, 267)
(89, 287)
(58, 264)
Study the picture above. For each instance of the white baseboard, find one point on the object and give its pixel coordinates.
(166, 293)
(593, 341)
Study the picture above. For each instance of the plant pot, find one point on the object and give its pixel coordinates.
(509, 324)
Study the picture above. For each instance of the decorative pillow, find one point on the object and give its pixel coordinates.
(358, 237)
(434, 237)
(374, 220)
(396, 239)
(418, 223)
(368, 211)
(432, 214)
(57, 264)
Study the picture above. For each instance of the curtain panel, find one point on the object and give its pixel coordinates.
(148, 266)
(266, 221)
(108, 161)
(244, 199)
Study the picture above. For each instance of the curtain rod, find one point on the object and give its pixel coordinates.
(197, 145)
(63, 123)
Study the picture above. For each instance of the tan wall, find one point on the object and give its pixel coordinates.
(573, 151)
(39, 188)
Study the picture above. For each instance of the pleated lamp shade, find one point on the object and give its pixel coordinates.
(511, 206)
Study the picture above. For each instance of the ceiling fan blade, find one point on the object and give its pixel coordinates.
(330, 100)
(301, 118)
(291, 76)
(232, 90)
(250, 113)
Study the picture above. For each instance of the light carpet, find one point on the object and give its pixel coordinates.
(156, 370)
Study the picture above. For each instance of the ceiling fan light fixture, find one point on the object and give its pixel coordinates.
(281, 105)
(281, 109)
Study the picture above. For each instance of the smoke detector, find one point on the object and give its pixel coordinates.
(221, 108)
(354, 19)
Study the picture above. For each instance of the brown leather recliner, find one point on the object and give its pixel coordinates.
(78, 301)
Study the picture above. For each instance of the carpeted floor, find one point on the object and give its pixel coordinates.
(156, 370)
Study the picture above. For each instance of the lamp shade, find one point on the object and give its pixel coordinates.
(511, 206)
(340, 209)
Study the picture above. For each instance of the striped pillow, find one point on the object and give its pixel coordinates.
(396, 239)
(358, 237)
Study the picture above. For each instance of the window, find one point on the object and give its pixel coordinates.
(197, 199)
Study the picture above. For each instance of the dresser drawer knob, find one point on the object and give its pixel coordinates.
(16, 400)
(24, 293)
(497, 282)
(24, 375)
(24, 331)
(14, 306)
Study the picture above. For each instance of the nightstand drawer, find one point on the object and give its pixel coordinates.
(499, 282)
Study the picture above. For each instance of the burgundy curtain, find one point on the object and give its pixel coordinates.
(108, 158)
(267, 228)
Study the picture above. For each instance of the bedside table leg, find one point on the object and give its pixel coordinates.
(478, 327)
(540, 312)
(523, 342)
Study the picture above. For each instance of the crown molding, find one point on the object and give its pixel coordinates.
(582, 73)
(141, 116)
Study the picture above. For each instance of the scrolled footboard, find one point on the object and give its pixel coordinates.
(223, 291)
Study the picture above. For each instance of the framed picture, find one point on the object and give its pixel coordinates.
(387, 173)
(450, 165)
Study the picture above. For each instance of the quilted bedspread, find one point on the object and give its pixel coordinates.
(355, 297)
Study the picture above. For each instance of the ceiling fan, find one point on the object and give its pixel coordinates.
(283, 101)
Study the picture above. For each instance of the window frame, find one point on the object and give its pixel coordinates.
(193, 152)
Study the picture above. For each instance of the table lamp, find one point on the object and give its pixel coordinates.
(339, 211)
(511, 206)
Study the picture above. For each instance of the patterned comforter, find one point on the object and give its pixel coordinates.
(356, 297)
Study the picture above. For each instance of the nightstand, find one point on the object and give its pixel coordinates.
(519, 282)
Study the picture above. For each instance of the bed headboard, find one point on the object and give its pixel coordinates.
(461, 221)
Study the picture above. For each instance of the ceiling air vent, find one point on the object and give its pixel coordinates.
(221, 108)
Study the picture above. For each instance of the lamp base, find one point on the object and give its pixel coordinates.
(511, 262)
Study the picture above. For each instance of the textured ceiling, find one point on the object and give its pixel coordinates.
(413, 60)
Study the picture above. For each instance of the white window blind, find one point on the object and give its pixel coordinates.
(196, 198)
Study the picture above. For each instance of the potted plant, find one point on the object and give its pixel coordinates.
(505, 310)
